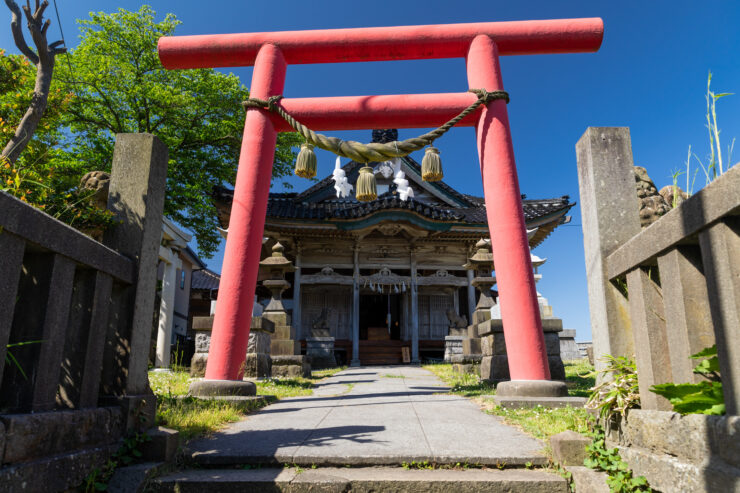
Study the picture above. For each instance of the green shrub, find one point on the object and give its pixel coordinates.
(704, 397)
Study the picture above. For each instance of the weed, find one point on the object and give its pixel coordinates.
(619, 475)
(618, 391)
(128, 453)
(418, 465)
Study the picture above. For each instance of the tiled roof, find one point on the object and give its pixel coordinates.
(290, 206)
(285, 206)
(205, 279)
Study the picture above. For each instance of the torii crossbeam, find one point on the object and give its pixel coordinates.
(480, 44)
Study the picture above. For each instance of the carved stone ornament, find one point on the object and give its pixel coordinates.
(652, 204)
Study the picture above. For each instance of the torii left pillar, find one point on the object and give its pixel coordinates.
(480, 44)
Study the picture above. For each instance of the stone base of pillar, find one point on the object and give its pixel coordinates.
(453, 346)
(285, 366)
(320, 352)
(531, 388)
(214, 388)
(355, 363)
(495, 364)
(531, 393)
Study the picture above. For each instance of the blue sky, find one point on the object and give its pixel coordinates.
(650, 75)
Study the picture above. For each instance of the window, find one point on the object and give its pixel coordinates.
(182, 279)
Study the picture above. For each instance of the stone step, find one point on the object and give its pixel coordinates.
(297, 480)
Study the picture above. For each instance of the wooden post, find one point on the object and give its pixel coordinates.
(414, 310)
(356, 307)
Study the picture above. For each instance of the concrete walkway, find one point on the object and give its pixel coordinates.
(371, 416)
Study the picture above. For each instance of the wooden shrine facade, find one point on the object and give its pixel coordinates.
(359, 262)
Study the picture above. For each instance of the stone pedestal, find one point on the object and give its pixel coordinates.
(202, 327)
(320, 352)
(463, 363)
(453, 346)
(495, 364)
(568, 347)
(258, 363)
(481, 263)
(290, 366)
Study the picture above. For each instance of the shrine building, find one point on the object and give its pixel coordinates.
(385, 274)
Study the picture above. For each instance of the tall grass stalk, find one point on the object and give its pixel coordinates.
(716, 164)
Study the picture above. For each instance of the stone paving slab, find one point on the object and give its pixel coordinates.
(371, 416)
(370, 479)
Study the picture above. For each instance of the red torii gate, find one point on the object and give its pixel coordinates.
(480, 44)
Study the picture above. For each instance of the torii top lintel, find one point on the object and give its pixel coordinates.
(382, 43)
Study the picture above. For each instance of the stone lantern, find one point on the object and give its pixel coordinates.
(285, 350)
(277, 266)
(481, 263)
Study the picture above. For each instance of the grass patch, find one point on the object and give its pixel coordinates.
(464, 384)
(196, 417)
(287, 387)
(388, 375)
(579, 377)
(542, 422)
(329, 372)
(169, 382)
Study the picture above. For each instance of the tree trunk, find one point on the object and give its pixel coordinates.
(43, 59)
(31, 119)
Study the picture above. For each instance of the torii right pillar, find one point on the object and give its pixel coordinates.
(525, 341)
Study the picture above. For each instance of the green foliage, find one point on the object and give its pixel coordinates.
(11, 359)
(704, 397)
(128, 453)
(619, 475)
(121, 86)
(618, 391)
(44, 176)
(417, 465)
(114, 83)
(579, 377)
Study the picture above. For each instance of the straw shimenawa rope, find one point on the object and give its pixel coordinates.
(375, 151)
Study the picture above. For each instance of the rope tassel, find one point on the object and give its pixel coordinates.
(366, 188)
(431, 165)
(305, 163)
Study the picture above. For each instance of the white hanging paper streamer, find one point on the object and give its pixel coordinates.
(402, 184)
(341, 184)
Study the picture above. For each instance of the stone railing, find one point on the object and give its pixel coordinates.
(85, 311)
(667, 291)
(663, 293)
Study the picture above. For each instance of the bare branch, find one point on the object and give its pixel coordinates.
(15, 26)
(44, 61)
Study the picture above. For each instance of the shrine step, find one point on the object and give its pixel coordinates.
(388, 352)
(297, 480)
